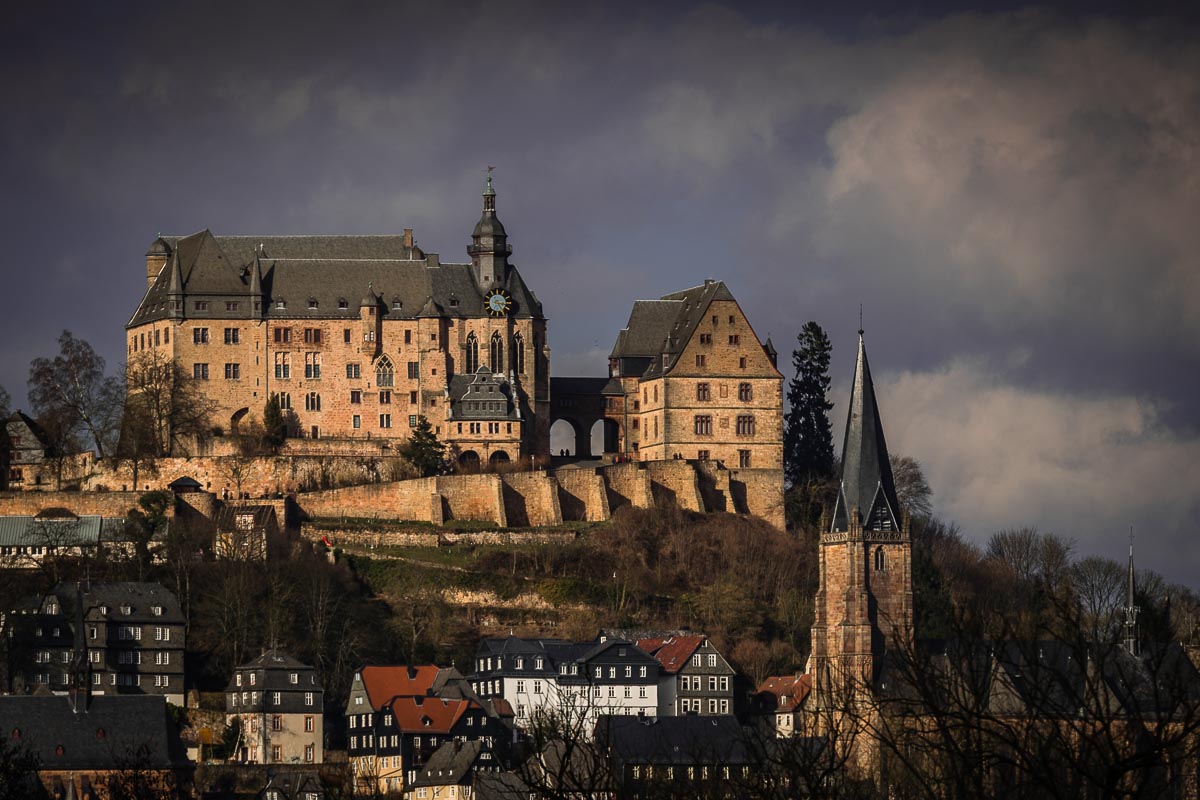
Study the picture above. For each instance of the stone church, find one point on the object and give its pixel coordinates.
(359, 336)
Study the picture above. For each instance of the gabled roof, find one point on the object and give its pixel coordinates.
(789, 690)
(683, 740)
(386, 682)
(672, 652)
(429, 714)
(139, 597)
(452, 764)
(867, 483)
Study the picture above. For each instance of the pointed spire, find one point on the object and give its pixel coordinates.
(1131, 610)
(867, 484)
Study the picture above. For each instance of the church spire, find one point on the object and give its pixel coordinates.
(867, 486)
(1131, 610)
(489, 248)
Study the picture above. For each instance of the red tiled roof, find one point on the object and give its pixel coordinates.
(790, 690)
(384, 683)
(432, 714)
(673, 652)
(502, 707)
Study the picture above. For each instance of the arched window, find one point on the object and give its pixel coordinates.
(880, 563)
(472, 354)
(312, 402)
(497, 353)
(384, 374)
(518, 354)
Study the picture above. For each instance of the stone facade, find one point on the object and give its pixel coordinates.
(358, 336)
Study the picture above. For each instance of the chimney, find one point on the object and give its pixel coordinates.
(408, 238)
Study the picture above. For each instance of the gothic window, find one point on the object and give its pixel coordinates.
(497, 353)
(472, 354)
(518, 354)
(880, 563)
(384, 374)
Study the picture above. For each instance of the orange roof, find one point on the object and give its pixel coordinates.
(432, 714)
(672, 652)
(790, 690)
(384, 683)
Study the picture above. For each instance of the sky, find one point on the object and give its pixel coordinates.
(1012, 194)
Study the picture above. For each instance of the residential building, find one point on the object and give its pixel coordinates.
(243, 532)
(780, 698)
(359, 336)
(694, 677)
(573, 682)
(81, 742)
(28, 452)
(373, 687)
(451, 772)
(292, 785)
(696, 383)
(278, 704)
(132, 635)
(27, 541)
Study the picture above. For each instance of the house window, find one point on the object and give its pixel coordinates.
(702, 391)
(312, 365)
(199, 335)
(200, 372)
(353, 371)
(276, 753)
(308, 701)
(744, 458)
(385, 420)
(233, 372)
(308, 756)
(745, 426)
(384, 372)
(283, 335)
(309, 723)
(703, 425)
(745, 392)
(231, 336)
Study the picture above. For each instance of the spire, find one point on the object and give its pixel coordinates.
(1131, 610)
(867, 484)
(256, 298)
(175, 288)
(489, 248)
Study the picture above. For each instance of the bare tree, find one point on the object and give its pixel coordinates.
(73, 387)
(912, 489)
(174, 404)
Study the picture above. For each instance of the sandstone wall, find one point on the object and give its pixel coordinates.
(675, 481)
(105, 504)
(582, 496)
(627, 484)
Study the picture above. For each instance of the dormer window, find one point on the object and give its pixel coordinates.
(126, 610)
(453, 300)
(396, 304)
(312, 303)
(281, 303)
(343, 303)
(157, 610)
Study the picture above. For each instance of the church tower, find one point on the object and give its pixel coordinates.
(489, 248)
(864, 602)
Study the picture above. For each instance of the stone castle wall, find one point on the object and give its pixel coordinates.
(104, 504)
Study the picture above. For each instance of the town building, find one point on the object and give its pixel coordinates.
(359, 336)
(243, 532)
(131, 633)
(28, 452)
(689, 378)
(780, 699)
(277, 702)
(27, 541)
(694, 677)
(450, 773)
(82, 742)
(570, 682)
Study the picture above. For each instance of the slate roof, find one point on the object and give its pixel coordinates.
(659, 329)
(451, 764)
(555, 652)
(140, 598)
(327, 269)
(679, 741)
(866, 471)
(584, 386)
(85, 531)
(276, 668)
(111, 730)
(500, 786)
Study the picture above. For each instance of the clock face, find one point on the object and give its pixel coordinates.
(498, 302)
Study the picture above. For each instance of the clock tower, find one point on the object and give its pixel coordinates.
(489, 248)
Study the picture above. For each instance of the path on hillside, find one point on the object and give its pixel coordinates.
(368, 553)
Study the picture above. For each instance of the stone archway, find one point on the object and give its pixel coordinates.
(498, 458)
(468, 461)
(605, 436)
(236, 419)
(565, 435)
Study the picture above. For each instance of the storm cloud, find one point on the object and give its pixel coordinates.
(1012, 197)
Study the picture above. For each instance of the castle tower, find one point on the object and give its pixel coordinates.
(489, 248)
(864, 602)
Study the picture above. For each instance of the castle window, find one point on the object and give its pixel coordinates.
(345, 335)
(497, 360)
(453, 301)
(414, 369)
(199, 335)
(281, 303)
(744, 459)
(745, 393)
(880, 562)
(745, 426)
(735, 339)
(353, 371)
(742, 362)
(156, 338)
(200, 372)
(231, 336)
(408, 337)
(312, 335)
(285, 400)
(396, 304)
(356, 421)
(283, 365)
(231, 305)
(166, 335)
(706, 338)
(385, 398)
(355, 397)
(312, 365)
(703, 455)
(701, 360)
(385, 375)
(312, 402)
(518, 354)
(233, 372)
(412, 398)
(202, 305)
(283, 335)
(703, 425)
(702, 391)
(472, 354)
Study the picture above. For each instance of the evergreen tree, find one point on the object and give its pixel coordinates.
(807, 436)
(274, 425)
(423, 450)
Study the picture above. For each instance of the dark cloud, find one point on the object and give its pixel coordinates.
(1011, 195)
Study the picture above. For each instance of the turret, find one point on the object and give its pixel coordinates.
(256, 293)
(175, 298)
(489, 248)
(156, 259)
